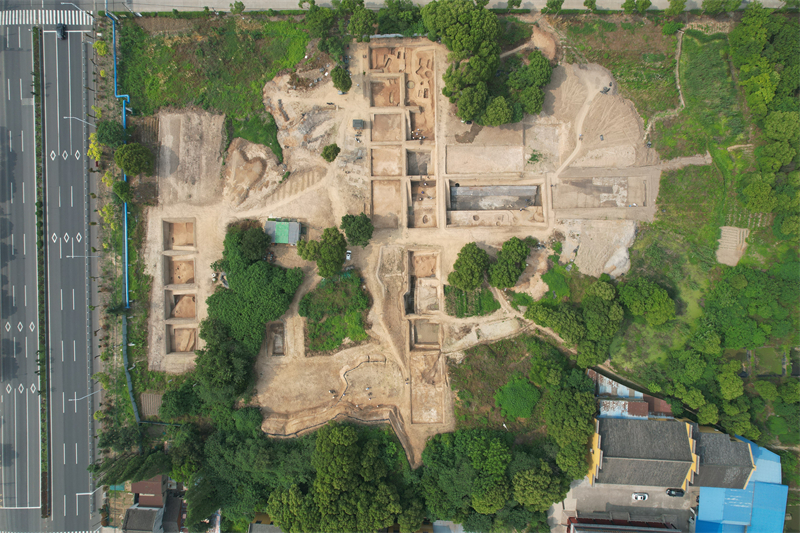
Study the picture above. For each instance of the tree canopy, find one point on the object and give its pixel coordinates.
(644, 298)
(342, 81)
(470, 267)
(135, 159)
(358, 229)
(510, 262)
(111, 133)
(329, 252)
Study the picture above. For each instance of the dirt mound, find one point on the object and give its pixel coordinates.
(251, 174)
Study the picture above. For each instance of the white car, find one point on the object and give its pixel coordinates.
(639, 496)
(348, 255)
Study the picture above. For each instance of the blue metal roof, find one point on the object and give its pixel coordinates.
(715, 527)
(769, 508)
(768, 464)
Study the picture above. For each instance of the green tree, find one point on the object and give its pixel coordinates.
(591, 5)
(517, 398)
(237, 8)
(358, 229)
(553, 6)
(571, 459)
(675, 8)
(179, 402)
(766, 389)
(715, 7)
(532, 99)
(642, 5)
(539, 487)
(254, 243)
(469, 268)
(134, 159)
(498, 112)
(464, 27)
(111, 133)
(790, 391)
(707, 415)
(342, 81)
(760, 197)
(730, 385)
(398, 16)
(330, 152)
(569, 414)
(472, 103)
(329, 252)
(362, 23)
(122, 190)
(510, 263)
(644, 298)
(490, 495)
(628, 6)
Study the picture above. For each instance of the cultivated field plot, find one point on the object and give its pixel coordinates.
(469, 159)
(600, 192)
(427, 387)
(385, 93)
(387, 127)
(179, 235)
(423, 207)
(387, 161)
(387, 203)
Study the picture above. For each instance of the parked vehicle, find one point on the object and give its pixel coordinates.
(349, 255)
(677, 493)
(639, 496)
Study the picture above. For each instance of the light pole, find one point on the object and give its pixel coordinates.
(83, 397)
(76, 7)
(80, 119)
(81, 256)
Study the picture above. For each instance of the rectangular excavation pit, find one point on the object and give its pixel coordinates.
(180, 305)
(418, 163)
(424, 334)
(428, 386)
(385, 93)
(387, 60)
(600, 192)
(469, 159)
(178, 270)
(422, 124)
(386, 204)
(181, 339)
(179, 235)
(423, 264)
(422, 205)
(387, 161)
(276, 339)
(493, 197)
(387, 127)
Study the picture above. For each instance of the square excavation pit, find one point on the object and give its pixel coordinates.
(387, 127)
(178, 271)
(387, 161)
(422, 126)
(424, 265)
(181, 340)
(181, 305)
(385, 93)
(386, 204)
(425, 333)
(418, 163)
(178, 235)
(388, 60)
(600, 192)
(422, 207)
(276, 338)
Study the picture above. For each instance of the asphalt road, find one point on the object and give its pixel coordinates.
(65, 77)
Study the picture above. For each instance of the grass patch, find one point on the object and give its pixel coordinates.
(257, 129)
(513, 32)
(769, 360)
(517, 398)
(556, 279)
(641, 59)
(335, 311)
(462, 304)
(517, 299)
(486, 369)
(221, 65)
(712, 112)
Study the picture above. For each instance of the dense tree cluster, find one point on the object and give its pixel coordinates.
(329, 252)
(510, 263)
(135, 159)
(111, 133)
(469, 270)
(486, 89)
(358, 229)
(335, 311)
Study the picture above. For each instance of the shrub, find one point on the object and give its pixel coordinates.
(111, 133)
(517, 398)
(341, 79)
(101, 47)
(671, 27)
(134, 159)
(330, 152)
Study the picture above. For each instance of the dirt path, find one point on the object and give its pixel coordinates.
(671, 112)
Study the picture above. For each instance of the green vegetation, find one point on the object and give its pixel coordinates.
(517, 398)
(135, 159)
(330, 152)
(400, 16)
(329, 252)
(341, 79)
(111, 133)
(357, 229)
(641, 59)
(222, 66)
(463, 304)
(469, 269)
(510, 263)
(335, 310)
(712, 113)
(556, 279)
(517, 299)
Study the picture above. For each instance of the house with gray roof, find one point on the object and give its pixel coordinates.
(650, 453)
(725, 461)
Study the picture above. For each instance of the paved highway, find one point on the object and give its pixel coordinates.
(65, 76)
